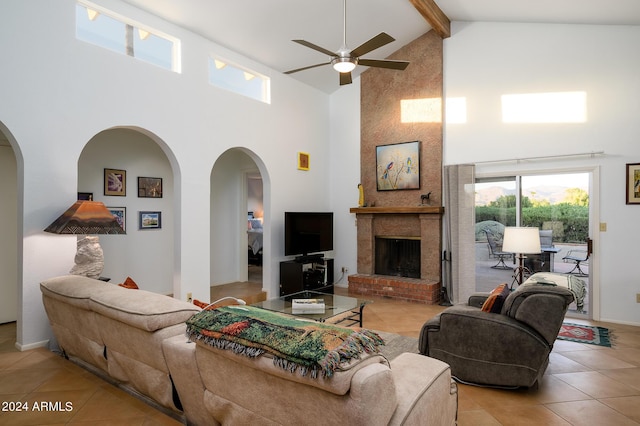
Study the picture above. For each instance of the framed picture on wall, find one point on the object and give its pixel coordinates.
(150, 220)
(633, 183)
(115, 182)
(398, 166)
(303, 161)
(149, 187)
(85, 196)
(120, 214)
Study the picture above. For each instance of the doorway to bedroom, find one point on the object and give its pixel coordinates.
(558, 204)
(232, 175)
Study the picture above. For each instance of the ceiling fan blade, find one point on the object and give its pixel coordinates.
(374, 43)
(394, 65)
(306, 68)
(315, 47)
(345, 78)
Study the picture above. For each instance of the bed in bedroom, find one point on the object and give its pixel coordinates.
(254, 241)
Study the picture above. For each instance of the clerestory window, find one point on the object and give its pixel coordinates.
(245, 82)
(106, 29)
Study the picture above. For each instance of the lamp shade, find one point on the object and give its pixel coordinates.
(86, 217)
(522, 240)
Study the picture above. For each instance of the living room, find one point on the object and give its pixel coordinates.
(51, 119)
(495, 67)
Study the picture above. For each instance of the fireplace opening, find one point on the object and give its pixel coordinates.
(398, 257)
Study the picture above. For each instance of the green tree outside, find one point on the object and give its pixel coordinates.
(572, 214)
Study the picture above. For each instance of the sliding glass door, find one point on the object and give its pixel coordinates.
(557, 204)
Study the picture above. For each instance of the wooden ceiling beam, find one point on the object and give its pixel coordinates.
(434, 16)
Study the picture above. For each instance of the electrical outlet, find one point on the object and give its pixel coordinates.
(189, 297)
(345, 270)
(603, 226)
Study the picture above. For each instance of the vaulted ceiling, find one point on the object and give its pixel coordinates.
(262, 30)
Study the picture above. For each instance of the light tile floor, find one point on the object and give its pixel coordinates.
(584, 384)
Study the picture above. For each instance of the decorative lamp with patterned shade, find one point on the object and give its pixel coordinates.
(85, 218)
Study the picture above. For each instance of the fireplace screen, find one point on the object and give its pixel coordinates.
(398, 257)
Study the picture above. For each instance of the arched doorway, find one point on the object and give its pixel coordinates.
(239, 205)
(9, 229)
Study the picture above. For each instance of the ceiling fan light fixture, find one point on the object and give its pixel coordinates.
(343, 65)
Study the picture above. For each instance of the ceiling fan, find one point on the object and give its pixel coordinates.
(344, 60)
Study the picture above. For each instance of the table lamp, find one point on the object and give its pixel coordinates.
(521, 240)
(83, 218)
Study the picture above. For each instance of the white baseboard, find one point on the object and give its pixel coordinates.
(42, 344)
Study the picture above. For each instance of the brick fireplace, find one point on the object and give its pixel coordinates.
(377, 224)
(402, 214)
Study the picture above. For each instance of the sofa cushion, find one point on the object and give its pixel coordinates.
(496, 299)
(73, 289)
(143, 309)
(339, 383)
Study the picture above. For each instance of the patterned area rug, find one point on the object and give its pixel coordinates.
(585, 334)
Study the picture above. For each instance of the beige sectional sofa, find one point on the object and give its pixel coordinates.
(117, 330)
(138, 339)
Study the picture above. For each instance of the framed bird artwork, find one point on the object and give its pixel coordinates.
(398, 166)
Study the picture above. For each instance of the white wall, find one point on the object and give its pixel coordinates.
(59, 92)
(345, 177)
(486, 60)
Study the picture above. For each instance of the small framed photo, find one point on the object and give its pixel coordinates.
(149, 187)
(150, 220)
(398, 166)
(85, 196)
(120, 214)
(303, 161)
(633, 183)
(115, 182)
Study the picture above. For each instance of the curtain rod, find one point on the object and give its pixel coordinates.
(547, 157)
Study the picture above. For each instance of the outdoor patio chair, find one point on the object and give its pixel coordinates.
(578, 257)
(495, 251)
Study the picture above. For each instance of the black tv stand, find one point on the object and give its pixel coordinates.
(306, 273)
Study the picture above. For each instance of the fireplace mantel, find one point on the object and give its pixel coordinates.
(398, 210)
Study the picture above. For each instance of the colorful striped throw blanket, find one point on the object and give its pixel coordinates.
(307, 346)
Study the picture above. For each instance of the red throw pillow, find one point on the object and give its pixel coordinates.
(129, 283)
(204, 305)
(496, 299)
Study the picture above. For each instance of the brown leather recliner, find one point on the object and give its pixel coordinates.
(506, 349)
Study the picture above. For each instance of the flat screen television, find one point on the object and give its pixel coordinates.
(307, 233)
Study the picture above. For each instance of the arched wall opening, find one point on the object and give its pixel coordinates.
(10, 228)
(234, 183)
(146, 253)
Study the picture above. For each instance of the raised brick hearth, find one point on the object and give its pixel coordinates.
(410, 289)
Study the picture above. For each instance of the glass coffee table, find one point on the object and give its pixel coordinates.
(337, 309)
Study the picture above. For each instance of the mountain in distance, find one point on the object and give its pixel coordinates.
(555, 194)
